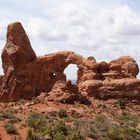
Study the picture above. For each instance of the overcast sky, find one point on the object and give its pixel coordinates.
(105, 29)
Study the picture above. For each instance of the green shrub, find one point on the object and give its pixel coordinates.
(122, 103)
(14, 120)
(59, 131)
(122, 134)
(91, 131)
(52, 113)
(37, 121)
(87, 128)
(59, 136)
(80, 123)
(7, 115)
(10, 128)
(75, 135)
(128, 119)
(62, 113)
(131, 134)
(33, 136)
(60, 126)
(102, 123)
(113, 134)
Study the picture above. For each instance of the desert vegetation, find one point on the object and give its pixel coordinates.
(102, 120)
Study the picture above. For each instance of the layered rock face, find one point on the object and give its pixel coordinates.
(26, 75)
(116, 79)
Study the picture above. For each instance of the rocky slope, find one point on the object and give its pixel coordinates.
(40, 119)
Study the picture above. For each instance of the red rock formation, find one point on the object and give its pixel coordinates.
(16, 56)
(26, 75)
(115, 79)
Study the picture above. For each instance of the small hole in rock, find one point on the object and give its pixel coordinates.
(52, 75)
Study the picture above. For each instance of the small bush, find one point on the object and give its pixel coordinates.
(79, 123)
(7, 115)
(62, 113)
(60, 131)
(60, 126)
(14, 120)
(59, 136)
(10, 128)
(37, 121)
(122, 103)
(75, 135)
(52, 113)
(91, 131)
(57, 128)
(87, 128)
(128, 119)
(113, 134)
(131, 134)
(33, 136)
(102, 123)
(122, 134)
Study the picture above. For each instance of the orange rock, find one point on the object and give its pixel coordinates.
(26, 75)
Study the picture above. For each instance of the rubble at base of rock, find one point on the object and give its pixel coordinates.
(27, 76)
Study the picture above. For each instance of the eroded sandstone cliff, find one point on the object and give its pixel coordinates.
(26, 75)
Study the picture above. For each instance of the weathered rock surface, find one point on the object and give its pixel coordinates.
(65, 92)
(26, 75)
(115, 79)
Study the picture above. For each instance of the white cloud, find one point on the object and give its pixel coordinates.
(38, 28)
(79, 25)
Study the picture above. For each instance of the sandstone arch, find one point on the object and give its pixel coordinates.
(23, 70)
(26, 75)
(56, 63)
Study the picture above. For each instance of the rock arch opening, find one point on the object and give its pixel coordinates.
(71, 73)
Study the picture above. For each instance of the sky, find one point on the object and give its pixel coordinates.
(105, 29)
